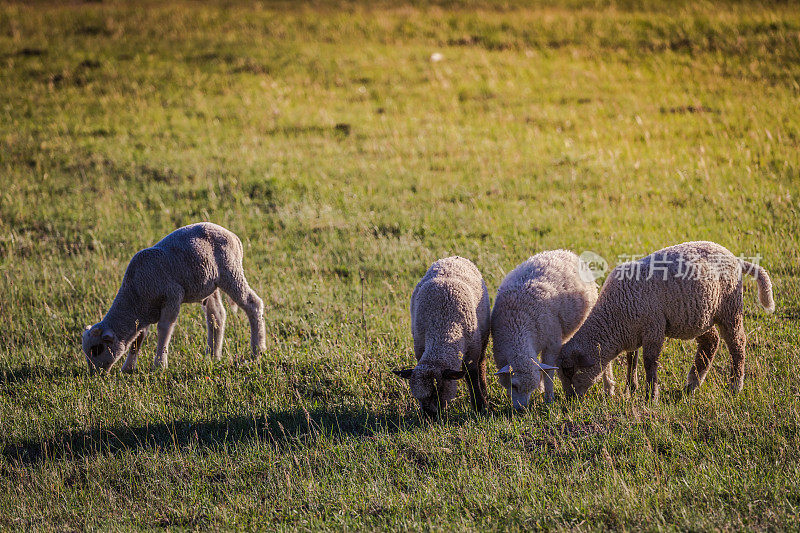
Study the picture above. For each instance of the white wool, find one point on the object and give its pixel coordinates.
(191, 264)
(539, 305)
(450, 326)
(683, 292)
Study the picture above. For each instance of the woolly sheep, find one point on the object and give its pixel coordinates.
(191, 264)
(679, 292)
(539, 305)
(449, 318)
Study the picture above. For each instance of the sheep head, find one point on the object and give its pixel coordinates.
(101, 346)
(433, 387)
(521, 382)
(572, 355)
(580, 368)
(586, 377)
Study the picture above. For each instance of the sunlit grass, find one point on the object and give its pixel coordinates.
(348, 161)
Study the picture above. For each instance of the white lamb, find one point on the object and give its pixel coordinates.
(449, 318)
(539, 305)
(680, 292)
(191, 264)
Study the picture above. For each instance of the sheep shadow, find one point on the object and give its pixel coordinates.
(28, 373)
(282, 428)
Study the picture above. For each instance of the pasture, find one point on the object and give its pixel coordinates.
(348, 158)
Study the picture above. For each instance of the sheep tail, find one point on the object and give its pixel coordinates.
(764, 285)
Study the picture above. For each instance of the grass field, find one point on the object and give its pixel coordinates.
(347, 161)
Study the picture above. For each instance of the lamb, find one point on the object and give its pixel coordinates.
(191, 264)
(680, 292)
(539, 305)
(449, 318)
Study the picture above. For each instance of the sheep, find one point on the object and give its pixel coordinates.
(191, 264)
(449, 319)
(539, 305)
(680, 292)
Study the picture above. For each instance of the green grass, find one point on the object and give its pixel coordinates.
(348, 161)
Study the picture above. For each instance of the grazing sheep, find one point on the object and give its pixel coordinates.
(680, 292)
(539, 305)
(191, 264)
(449, 319)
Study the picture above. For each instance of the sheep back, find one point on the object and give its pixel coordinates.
(450, 305)
(544, 291)
(193, 257)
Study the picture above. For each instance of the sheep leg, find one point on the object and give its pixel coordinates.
(735, 339)
(476, 380)
(608, 378)
(707, 345)
(130, 362)
(651, 349)
(215, 323)
(631, 381)
(239, 290)
(549, 357)
(166, 325)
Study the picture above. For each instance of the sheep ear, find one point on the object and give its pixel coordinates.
(505, 370)
(108, 335)
(406, 373)
(453, 374)
(544, 366)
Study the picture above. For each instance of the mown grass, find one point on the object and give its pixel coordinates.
(347, 161)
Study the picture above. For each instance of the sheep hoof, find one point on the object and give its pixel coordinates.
(652, 395)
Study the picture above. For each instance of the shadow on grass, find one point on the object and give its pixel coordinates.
(284, 429)
(34, 373)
